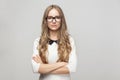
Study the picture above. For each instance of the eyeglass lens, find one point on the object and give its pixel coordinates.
(56, 18)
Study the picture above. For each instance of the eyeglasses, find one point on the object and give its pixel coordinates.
(56, 18)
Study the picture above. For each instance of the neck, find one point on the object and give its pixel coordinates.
(53, 35)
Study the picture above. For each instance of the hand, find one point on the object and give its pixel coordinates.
(37, 59)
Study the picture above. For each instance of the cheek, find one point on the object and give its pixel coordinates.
(59, 24)
(48, 24)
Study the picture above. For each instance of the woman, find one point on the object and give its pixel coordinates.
(54, 56)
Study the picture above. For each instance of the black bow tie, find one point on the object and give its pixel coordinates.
(51, 41)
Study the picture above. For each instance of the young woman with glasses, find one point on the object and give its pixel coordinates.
(54, 55)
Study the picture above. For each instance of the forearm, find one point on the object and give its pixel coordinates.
(47, 68)
(62, 70)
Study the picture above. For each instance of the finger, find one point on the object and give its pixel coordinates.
(35, 59)
(39, 59)
(38, 56)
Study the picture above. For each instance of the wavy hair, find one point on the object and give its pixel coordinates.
(64, 47)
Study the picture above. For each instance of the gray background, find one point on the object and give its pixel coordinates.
(94, 24)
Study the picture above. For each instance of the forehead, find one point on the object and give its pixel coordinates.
(53, 12)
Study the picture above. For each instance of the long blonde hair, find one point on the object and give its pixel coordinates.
(64, 47)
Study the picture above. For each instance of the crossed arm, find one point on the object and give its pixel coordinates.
(56, 68)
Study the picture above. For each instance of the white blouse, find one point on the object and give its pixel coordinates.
(52, 58)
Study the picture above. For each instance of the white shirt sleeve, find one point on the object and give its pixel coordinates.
(35, 52)
(72, 63)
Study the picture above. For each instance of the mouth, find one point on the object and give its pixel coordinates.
(54, 25)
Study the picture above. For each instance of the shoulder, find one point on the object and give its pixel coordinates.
(36, 41)
(71, 40)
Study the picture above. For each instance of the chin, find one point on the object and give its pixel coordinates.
(54, 29)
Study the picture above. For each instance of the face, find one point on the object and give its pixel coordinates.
(53, 20)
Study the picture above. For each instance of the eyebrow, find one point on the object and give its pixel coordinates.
(56, 15)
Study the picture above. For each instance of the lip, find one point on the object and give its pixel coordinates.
(53, 25)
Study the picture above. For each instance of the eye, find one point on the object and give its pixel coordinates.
(58, 17)
(49, 17)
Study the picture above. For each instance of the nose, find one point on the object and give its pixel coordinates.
(54, 21)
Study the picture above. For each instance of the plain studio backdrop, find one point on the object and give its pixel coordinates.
(94, 25)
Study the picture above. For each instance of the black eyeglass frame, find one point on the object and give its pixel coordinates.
(56, 18)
